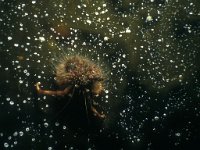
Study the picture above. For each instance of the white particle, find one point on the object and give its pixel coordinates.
(33, 2)
(106, 38)
(9, 38)
(46, 124)
(138, 140)
(128, 30)
(18, 67)
(156, 118)
(167, 45)
(16, 45)
(56, 124)
(6, 145)
(11, 103)
(19, 7)
(27, 129)
(114, 66)
(191, 13)
(178, 134)
(20, 81)
(123, 65)
(15, 133)
(50, 148)
(149, 18)
(89, 21)
(10, 137)
(106, 91)
(21, 133)
(25, 71)
(42, 39)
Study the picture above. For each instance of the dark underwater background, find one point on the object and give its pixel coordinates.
(149, 50)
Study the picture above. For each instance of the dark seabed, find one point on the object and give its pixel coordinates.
(149, 50)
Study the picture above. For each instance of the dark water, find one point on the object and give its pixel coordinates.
(149, 50)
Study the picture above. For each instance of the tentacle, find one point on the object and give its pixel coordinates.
(49, 92)
(93, 109)
(96, 113)
(86, 107)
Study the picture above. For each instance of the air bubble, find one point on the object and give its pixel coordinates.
(42, 39)
(6, 145)
(15, 133)
(177, 134)
(57, 124)
(33, 2)
(50, 148)
(9, 38)
(21, 133)
(156, 118)
(149, 18)
(27, 129)
(11, 103)
(46, 124)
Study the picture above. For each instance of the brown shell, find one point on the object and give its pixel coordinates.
(77, 70)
